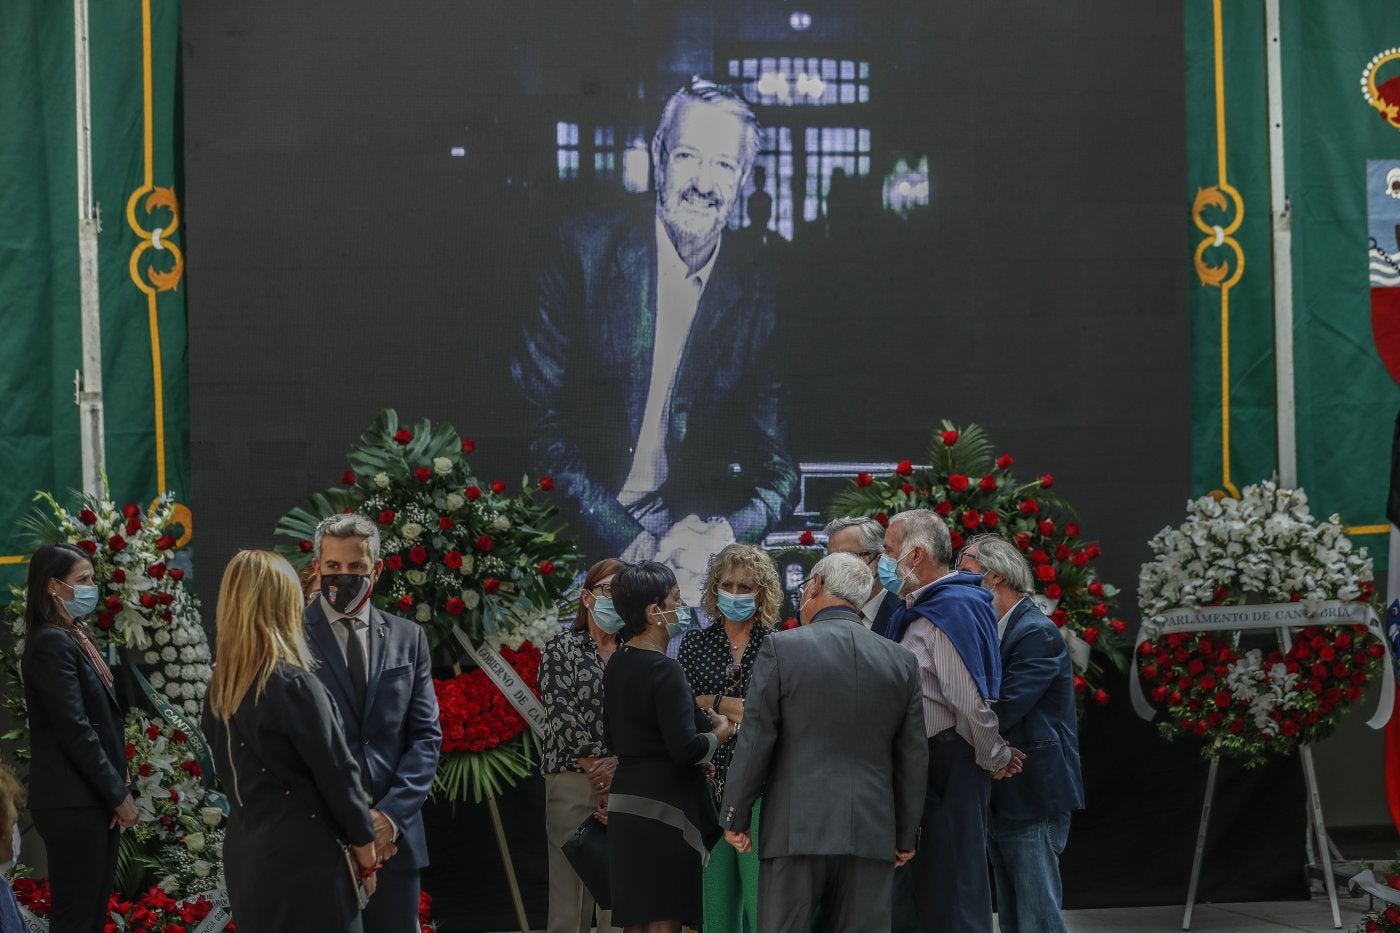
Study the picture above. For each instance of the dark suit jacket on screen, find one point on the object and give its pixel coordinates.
(586, 368)
(833, 738)
(1036, 714)
(396, 738)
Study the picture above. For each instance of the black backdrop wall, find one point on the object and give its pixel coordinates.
(369, 185)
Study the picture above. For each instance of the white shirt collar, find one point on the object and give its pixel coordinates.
(335, 615)
(669, 262)
(872, 607)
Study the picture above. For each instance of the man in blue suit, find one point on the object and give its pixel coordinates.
(377, 669)
(1029, 823)
(865, 538)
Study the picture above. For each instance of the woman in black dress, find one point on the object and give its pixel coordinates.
(661, 817)
(280, 751)
(78, 789)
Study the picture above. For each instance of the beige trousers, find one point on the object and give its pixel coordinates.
(568, 798)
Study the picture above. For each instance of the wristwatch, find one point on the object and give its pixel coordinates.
(714, 707)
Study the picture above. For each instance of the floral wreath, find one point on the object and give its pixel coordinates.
(459, 552)
(1264, 547)
(976, 492)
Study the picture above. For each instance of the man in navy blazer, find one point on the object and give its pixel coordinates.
(377, 669)
(1029, 822)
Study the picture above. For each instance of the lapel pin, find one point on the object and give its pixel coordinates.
(381, 631)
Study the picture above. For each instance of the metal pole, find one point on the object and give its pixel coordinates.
(509, 865)
(90, 415)
(1320, 829)
(1200, 843)
(1281, 214)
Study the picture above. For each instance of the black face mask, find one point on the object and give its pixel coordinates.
(344, 590)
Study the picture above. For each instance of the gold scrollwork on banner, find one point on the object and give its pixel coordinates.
(1222, 199)
(162, 200)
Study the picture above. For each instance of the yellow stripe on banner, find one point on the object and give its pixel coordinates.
(153, 316)
(1225, 286)
(1366, 529)
(13, 559)
(146, 84)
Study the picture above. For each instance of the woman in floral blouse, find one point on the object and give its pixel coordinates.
(577, 768)
(743, 596)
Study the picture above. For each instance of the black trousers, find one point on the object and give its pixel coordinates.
(853, 893)
(952, 889)
(82, 852)
(394, 906)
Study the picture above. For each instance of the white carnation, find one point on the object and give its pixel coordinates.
(152, 657)
(162, 637)
(168, 653)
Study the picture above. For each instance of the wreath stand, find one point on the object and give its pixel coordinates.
(1317, 829)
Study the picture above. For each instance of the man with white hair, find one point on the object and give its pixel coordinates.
(865, 538)
(650, 360)
(1029, 822)
(949, 625)
(833, 738)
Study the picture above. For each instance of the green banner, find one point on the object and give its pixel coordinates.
(1346, 356)
(136, 158)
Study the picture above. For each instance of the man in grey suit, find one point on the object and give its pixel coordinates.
(833, 737)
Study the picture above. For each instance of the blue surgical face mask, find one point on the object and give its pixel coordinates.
(889, 573)
(685, 621)
(83, 602)
(605, 616)
(737, 607)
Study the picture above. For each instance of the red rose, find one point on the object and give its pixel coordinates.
(405, 603)
(386, 517)
(1091, 634)
(1118, 626)
(1045, 572)
(1039, 557)
(1004, 461)
(1295, 597)
(452, 559)
(987, 483)
(165, 599)
(1100, 610)
(1327, 653)
(455, 606)
(468, 445)
(1093, 551)
(1072, 529)
(147, 600)
(1080, 684)
(1149, 671)
(957, 539)
(864, 479)
(394, 562)
(972, 518)
(906, 488)
(1053, 591)
(155, 571)
(957, 482)
(167, 542)
(484, 544)
(1047, 528)
(190, 766)
(418, 554)
(130, 751)
(119, 575)
(403, 435)
(546, 568)
(87, 517)
(423, 474)
(1028, 507)
(546, 483)
(490, 585)
(905, 468)
(1096, 589)
(1046, 481)
(473, 493)
(1062, 552)
(1059, 617)
(949, 437)
(132, 526)
(1289, 727)
(445, 523)
(116, 543)
(807, 539)
(1101, 697)
(1080, 558)
(989, 519)
(1159, 694)
(114, 603)
(1023, 540)
(943, 508)
(144, 770)
(498, 486)
(348, 478)
(152, 732)
(883, 519)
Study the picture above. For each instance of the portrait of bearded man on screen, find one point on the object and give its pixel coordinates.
(649, 356)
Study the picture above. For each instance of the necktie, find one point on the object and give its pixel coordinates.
(355, 661)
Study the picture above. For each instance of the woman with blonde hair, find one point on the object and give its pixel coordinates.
(743, 597)
(279, 748)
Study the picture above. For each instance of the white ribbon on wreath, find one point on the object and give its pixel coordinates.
(1266, 616)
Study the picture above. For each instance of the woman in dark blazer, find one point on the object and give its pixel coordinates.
(78, 782)
(279, 748)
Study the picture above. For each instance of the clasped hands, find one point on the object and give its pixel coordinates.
(1013, 767)
(125, 815)
(600, 770)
